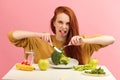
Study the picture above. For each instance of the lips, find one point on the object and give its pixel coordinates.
(62, 31)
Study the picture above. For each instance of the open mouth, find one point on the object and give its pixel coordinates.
(63, 31)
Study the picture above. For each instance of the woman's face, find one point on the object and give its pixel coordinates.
(62, 24)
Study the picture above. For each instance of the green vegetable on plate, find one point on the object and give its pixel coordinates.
(96, 71)
(83, 67)
(59, 58)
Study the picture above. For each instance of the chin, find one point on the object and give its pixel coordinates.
(65, 35)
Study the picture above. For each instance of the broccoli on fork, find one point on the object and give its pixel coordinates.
(60, 58)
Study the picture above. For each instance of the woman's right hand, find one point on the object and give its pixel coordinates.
(46, 37)
(18, 34)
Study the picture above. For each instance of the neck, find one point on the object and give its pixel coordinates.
(60, 38)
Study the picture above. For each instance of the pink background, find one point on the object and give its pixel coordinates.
(94, 16)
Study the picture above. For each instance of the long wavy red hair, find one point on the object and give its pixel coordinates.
(71, 51)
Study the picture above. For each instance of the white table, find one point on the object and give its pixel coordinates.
(54, 74)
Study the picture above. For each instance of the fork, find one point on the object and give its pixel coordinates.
(59, 50)
(65, 46)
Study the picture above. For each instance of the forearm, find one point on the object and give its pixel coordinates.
(25, 34)
(103, 40)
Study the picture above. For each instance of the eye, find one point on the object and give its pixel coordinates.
(68, 23)
(60, 22)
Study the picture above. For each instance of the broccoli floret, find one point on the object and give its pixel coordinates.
(56, 57)
(64, 59)
(59, 58)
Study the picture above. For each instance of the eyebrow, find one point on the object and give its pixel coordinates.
(62, 21)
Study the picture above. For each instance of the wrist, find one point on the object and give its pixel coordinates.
(38, 34)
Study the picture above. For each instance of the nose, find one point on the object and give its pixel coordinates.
(64, 25)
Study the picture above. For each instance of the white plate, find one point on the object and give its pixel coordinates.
(69, 65)
(96, 75)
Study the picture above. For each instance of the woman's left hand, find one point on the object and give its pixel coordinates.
(76, 40)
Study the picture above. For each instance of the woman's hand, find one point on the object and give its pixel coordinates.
(46, 37)
(76, 40)
(102, 40)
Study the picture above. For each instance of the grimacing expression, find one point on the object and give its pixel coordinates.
(62, 24)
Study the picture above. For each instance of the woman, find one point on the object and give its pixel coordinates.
(64, 25)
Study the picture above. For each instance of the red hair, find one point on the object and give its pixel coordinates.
(71, 51)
